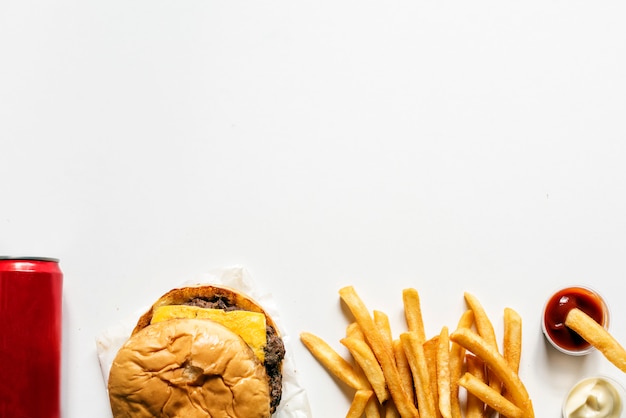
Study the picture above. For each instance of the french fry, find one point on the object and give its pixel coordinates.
(466, 320)
(457, 357)
(490, 397)
(415, 355)
(474, 406)
(512, 343)
(401, 399)
(403, 368)
(365, 384)
(372, 408)
(390, 410)
(484, 327)
(353, 330)
(597, 336)
(430, 355)
(359, 401)
(496, 362)
(330, 359)
(413, 313)
(443, 373)
(365, 358)
(382, 322)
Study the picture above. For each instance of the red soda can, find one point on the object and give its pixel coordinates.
(30, 337)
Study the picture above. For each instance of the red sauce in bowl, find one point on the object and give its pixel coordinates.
(557, 308)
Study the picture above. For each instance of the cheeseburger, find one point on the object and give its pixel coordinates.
(202, 351)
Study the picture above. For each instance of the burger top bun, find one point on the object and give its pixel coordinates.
(187, 368)
(183, 295)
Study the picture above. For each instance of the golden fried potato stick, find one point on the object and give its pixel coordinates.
(413, 313)
(484, 327)
(466, 320)
(382, 322)
(491, 397)
(353, 330)
(390, 410)
(474, 406)
(496, 363)
(365, 358)
(372, 408)
(330, 359)
(457, 358)
(365, 384)
(430, 354)
(443, 373)
(415, 355)
(403, 368)
(512, 343)
(405, 406)
(359, 401)
(597, 336)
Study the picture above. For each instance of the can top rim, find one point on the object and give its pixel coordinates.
(29, 258)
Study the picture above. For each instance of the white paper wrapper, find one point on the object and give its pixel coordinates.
(294, 402)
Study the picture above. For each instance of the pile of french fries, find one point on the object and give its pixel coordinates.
(412, 376)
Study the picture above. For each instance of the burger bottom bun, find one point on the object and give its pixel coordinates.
(187, 368)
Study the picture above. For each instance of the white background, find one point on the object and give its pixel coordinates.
(446, 145)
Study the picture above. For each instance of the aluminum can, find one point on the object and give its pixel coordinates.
(30, 337)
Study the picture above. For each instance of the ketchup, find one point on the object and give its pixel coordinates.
(557, 308)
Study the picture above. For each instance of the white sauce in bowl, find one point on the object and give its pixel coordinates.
(594, 397)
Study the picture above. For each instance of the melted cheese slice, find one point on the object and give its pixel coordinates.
(250, 326)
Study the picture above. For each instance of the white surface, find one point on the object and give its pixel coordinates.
(448, 146)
